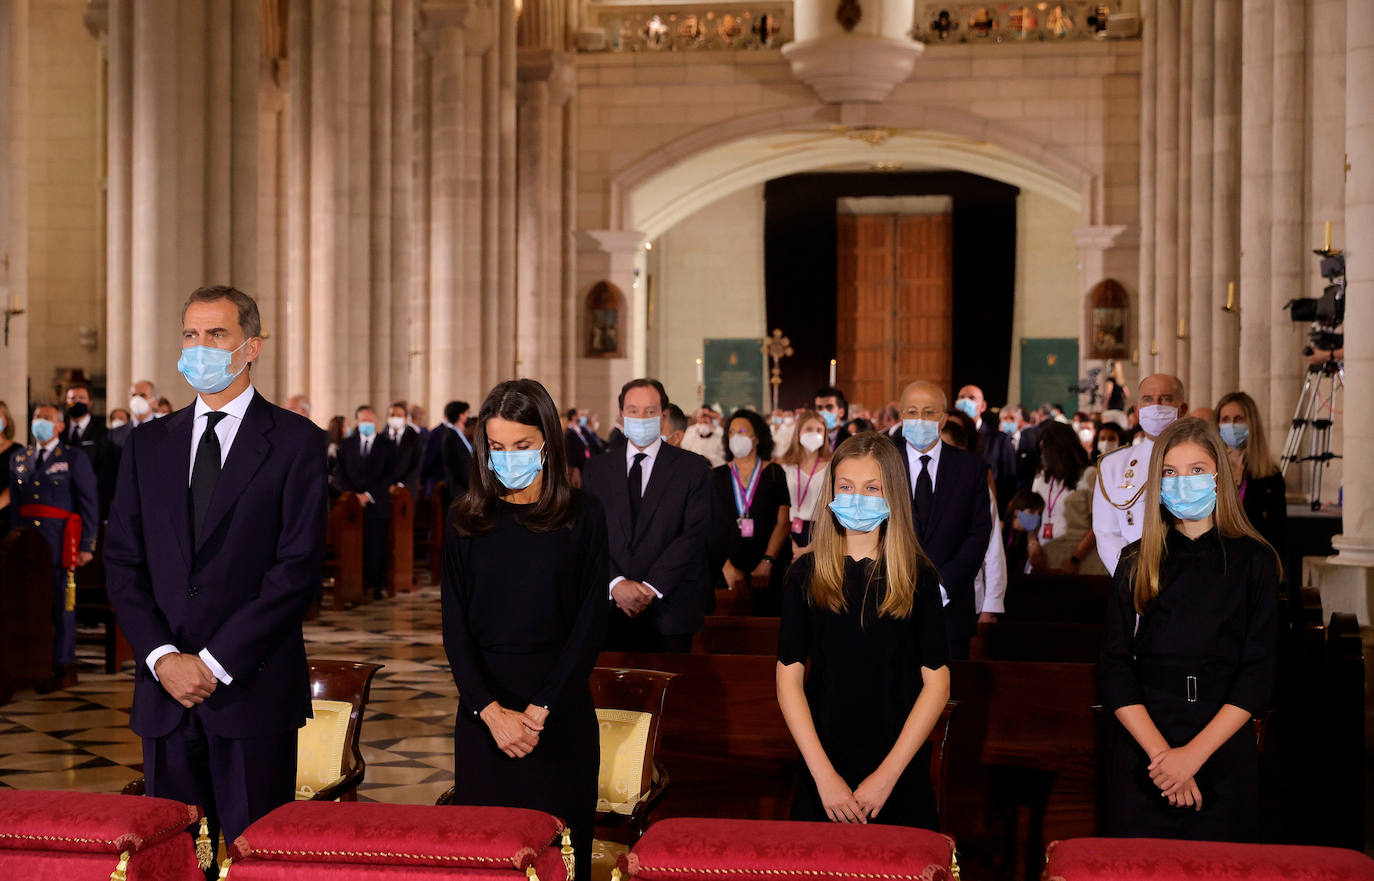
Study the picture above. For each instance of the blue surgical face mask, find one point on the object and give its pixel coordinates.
(1029, 520)
(1235, 435)
(516, 469)
(1189, 496)
(920, 433)
(42, 429)
(831, 420)
(2, 424)
(367, 429)
(859, 513)
(582, 421)
(207, 369)
(1008, 428)
(642, 431)
(968, 407)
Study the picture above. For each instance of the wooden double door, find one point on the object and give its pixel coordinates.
(894, 303)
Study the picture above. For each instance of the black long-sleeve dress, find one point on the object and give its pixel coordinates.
(746, 552)
(1212, 632)
(524, 617)
(865, 678)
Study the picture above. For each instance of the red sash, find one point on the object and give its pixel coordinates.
(71, 533)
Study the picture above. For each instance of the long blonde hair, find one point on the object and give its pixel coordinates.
(1231, 521)
(795, 453)
(1258, 460)
(900, 558)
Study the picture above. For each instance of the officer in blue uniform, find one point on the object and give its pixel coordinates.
(49, 483)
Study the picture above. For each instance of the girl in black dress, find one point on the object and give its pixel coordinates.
(1258, 479)
(753, 492)
(1188, 651)
(524, 612)
(864, 607)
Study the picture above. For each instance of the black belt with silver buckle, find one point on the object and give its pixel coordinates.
(1175, 682)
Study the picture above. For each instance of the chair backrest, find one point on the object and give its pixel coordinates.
(334, 687)
(629, 707)
(939, 740)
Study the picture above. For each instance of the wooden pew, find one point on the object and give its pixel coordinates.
(93, 609)
(1047, 641)
(401, 544)
(733, 602)
(438, 516)
(738, 635)
(26, 632)
(1061, 598)
(343, 566)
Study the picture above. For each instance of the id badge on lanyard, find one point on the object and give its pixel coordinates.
(744, 498)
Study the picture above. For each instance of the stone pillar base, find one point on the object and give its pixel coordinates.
(1345, 585)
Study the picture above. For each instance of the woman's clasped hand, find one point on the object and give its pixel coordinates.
(516, 734)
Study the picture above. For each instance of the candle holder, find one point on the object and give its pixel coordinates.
(11, 311)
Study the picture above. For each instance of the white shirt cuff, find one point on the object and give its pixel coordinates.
(220, 673)
(944, 597)
(157, 653)
(614, 581)
(654, 589)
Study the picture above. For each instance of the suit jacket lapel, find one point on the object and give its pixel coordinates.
(175, 450)
(246, 456)
(659, 478)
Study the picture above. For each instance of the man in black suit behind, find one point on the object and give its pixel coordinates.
(214, 548)
(409, 448)
(949, 506)
(456, 453)
(88, 434)
(658, 519)
(367, 468)
(998, 453)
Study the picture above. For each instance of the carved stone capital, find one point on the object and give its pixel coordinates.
(1104, 238)
(852, 67)
(97, 18)
(548, 66)
(609, 241)
(476, 18)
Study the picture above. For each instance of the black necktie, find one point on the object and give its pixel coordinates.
(636, 487)
(925, 494)
(204, 473)
(76, 435)
(367, 445)
(38, 462)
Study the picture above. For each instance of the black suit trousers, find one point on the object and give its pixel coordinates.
(626, 634)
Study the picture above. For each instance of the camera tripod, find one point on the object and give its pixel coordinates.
(1315, 411)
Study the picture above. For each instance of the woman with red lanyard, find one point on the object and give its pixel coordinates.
(1063, 469)
(805, 465)
(753, 491)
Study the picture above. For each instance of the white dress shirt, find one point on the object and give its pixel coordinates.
(646, 466)
(226, 431)
(913, 458)
(79, 426)
(798, 479)
(990, 584)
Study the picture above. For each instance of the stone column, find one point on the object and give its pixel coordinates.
(532, 173)
(1290, 259)
(1200, 314)
(1145, 298)
(446, 219)
(1166, 186)
(1225, 196)
(506, 190)
(327, 276)
(606, 255)
(14, 116)
(1256, 195)
(1182, 328)
(295, 312)
(386, 310)
(119, 205)
(402, 196)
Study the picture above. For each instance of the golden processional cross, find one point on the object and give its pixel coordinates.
(776, 348)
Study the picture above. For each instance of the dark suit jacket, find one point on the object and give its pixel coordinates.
(409, 453)
(242, 590)
(432, 461)
(1027, 457)
(457, 465)
(575, 448)
(1000, 458)
(668, 545)
(103, 456)
(374, 474)
(956, 537)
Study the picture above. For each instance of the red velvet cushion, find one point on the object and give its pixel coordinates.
(88, 822)
(400, 835)
(686, 849)
(1150, 859)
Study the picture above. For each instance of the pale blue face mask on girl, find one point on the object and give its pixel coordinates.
(516, 469)
(859, 513)
(1029, 520)
(1189, 496)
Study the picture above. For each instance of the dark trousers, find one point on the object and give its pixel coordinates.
(626, 634)
(376, 530)
(63, 621)
(956, 642)
(235, 780)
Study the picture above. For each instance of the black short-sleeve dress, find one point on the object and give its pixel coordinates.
(524, 616)
(1210, 636)
(865, 678)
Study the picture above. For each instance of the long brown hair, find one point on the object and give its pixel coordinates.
(1231, 521)
(795, 453)
(900, 558)
(1259, 462)
(527, 402)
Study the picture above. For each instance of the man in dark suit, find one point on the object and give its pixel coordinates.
(658, 518)
(456, 453)
(367, 468)
(88, 434)
(214, 548)
(574, 446)
(998, 453)
(949, 506)
(432, 461)
(409, 448)
(834, 409)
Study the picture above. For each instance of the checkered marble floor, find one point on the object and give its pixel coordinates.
(79, 738)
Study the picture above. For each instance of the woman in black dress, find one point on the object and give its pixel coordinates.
(524, 615)
(753, 493)
(1188, 651)
(1258, 479)
(864, 608)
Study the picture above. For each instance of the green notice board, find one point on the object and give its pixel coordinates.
(734, 373)
(1048, 368)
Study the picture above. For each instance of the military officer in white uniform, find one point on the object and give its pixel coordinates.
(1119, 496)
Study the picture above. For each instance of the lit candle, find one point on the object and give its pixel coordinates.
(832, 371)
(1327, 237)
(1230, 296)
(1182, 329)
(701, 373)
